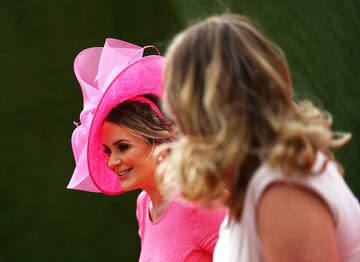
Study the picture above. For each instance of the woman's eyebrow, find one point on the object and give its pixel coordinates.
(120, 141)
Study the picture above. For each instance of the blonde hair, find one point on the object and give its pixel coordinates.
(230, 92)
(143, 120)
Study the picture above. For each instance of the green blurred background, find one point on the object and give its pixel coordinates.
(40, 98)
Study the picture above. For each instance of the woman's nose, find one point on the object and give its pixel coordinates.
(113, 161)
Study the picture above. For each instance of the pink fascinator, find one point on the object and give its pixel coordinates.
(107, 76)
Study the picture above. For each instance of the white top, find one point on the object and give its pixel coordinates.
(239, 241)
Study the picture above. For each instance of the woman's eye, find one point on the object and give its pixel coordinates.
(123, 147)
(107, 150)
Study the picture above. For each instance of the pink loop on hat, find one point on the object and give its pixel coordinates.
(135, 55)
(108, 76)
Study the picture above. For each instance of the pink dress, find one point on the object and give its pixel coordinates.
(185, 232)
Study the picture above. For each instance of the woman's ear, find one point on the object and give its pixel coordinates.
(161, 153)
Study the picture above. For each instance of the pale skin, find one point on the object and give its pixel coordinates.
(295, 225)
(131, 158)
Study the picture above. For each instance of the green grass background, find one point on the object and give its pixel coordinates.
(42, 221)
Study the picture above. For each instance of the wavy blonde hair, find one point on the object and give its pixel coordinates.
(229, 89)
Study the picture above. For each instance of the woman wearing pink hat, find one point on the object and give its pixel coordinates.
(121, 126)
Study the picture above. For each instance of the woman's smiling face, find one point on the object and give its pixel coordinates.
(129, 156)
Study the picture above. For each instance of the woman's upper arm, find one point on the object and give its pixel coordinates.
(295, 224)
(205, 225)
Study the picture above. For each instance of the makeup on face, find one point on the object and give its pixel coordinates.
(129, 156)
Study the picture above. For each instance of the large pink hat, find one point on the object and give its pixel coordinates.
(108, 76)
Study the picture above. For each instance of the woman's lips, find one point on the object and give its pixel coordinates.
(124, 172)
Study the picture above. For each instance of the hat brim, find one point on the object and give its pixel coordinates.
(144, 76)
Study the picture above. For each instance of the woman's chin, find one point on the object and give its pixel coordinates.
(126, 187)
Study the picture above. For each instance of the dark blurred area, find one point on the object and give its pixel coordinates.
(40, 98)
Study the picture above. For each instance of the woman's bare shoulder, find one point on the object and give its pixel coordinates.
(295, 224)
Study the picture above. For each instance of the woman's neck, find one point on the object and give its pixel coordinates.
(158, 203)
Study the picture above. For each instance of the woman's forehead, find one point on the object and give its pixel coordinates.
(111, 132)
